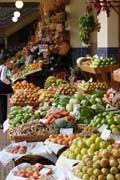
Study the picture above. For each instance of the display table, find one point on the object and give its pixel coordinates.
(102, 74)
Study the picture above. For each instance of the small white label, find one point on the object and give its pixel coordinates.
(116, 138)
(102, 128)
(76, 107)
(105, 134)
(67, 131)
(44, 171)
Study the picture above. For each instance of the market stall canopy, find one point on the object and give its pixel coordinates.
(28, 14)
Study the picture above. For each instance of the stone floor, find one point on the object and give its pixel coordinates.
(4, 141)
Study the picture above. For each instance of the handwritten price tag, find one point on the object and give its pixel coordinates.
(105, 134)
(67, 131)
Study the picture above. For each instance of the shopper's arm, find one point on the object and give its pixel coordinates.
(3, 76)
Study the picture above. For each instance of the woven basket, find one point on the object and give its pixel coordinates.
(82, 126)
(32, 138)
(58, 17)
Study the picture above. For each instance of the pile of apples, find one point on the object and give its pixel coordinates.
(104, 165)
(63, 139)
(66, 89)
(91, 85)
(35, 172)
(25, 97)
(19, 150)
(102, 62)
(109, 119)
(86, 146)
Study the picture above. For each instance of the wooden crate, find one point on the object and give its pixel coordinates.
(101, 74)
(97, 70)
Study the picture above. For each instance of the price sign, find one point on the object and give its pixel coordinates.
(67, 131)
(105, 134)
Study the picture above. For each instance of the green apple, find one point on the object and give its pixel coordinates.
(113, 170)
(115, 131)
(110, 147)
(117, 120)
(90, 171)
(81, 144)
(85, 177)
(110, 121)
(84, 151)
(95, 157)
(105, 171)
(77, 150)
(101, 177)
(78, 157)
(84, 169)
(71, 155)
(90, 152)
(96, 164)
(72, 148)
(93, 177)
(103, 144)
(98, 140)
(93, 147)
(96, 172)
(113, 162)
(75, 141)
(110, 177)
(89, 141)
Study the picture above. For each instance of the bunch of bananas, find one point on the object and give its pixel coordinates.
(87, 26)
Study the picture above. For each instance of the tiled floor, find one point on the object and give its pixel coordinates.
(4, 141)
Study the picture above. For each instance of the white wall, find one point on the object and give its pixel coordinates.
(113, 29)
(108, 35)
(76, 10)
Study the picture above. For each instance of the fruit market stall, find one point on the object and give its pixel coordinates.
(100, 67)
(69, 125)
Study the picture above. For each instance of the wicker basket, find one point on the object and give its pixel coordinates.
(32, 138)
(82, 126)
(58, 17)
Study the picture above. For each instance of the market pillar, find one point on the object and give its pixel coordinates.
(77, 9)
(107, 38)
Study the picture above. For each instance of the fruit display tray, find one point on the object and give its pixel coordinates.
(101, 74)
(97, 70)
(32, 159)
(26, 74)
(82, 91)
(29, 73)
